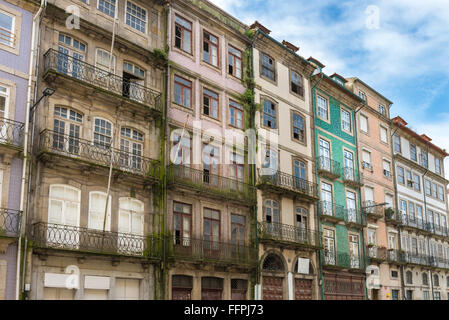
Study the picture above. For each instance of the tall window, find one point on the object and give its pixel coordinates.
(211, 228)
(103, 61)
(102, 133)
(301, 218)
(97, 208)
(346, 120)
(409, 277)
(271, 211)
(298, 127)
(107, 6)
(354, 250)
(383, 134)
(64, 205)
(131, 147)
(322, 108)
(366, 159)
(299, 171)
(296, 83)
(438, 165)
(440, 193)
(237, 170)
(409, 178)
(397, 143)
(7, 24)
(67, 122)
(413, 154)
(425, 279)
(211, 159)
(325, 155)
(183, 92)
(133, 81)
(183, 34)
(4, 102)
(235, 114)
(434, 190)
(416, 182)
(238, 226)
(329, 246)
(234, 62)
(386, 167)
(267, 66)
(362, 95)
(182, 223)
(364, 123)
(210, 49)
(210, 103)
(424, 159)
(401, 175)
(382, 109)
(181, 153)
(428, 187)
(136, 17)
(70, 49)
(349, 165)
(269, 114)
(351, 206)
(326, 198)
(131, 225)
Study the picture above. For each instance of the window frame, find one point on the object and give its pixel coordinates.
(302, 96)
(236, 111)
(146, 17)
(276, 113)
(115, 8)
(183, 30)
(342, 110)
(235, 58)
(262, 66)
(211, 44)
(205, 95)
(183, 87)
(328, 120)
(294, 113)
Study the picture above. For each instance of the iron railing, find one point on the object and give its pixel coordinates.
(10, 222)
(414, 222)
(210, 183)
(392, 217)
(378, 253)
(439, 230)
(11, 132)
(373, 209)
(343, 260)
(330, 209)
(355, 216)
(350, 175)
(289, 182)
(284, 232)
(212, 251)
(394, 255)
(329, 166)
(80, 70)
(51, 141)
(46, 235)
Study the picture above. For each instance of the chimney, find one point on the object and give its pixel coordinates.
(257, 25)
(290, 46)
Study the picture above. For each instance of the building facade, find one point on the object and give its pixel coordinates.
(374, 148)
(103, 120)
(339, 179)
(422, 210)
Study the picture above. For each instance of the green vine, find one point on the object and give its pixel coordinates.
(160, 56)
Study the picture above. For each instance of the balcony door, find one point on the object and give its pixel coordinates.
(182, 220)
(354, 251)
(133, 82)
(326, 199)
(4, 112)
(329, 247)
(63, 217)
(349, 165)
(325, 155)
(351, 206)
(237, 171)
(272, 217)
(300, 174)
(301, 224)
(238, 226)
(67, 130)
(211, 159)
(131, 227)
(211, 232)
(71, 53)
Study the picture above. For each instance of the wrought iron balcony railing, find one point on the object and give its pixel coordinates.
(395, 256)
(418, 258)
(99, 153)
(288, 182)
(439, 230)
(328, 167)
(377, 253)
(46, 235)
(212, 251)
(392, 217)
(330, 209)
(82, 71)
(373, 209)
(10, 222)
(343, 260)
(352, 177)
(210, 183)
(414, 222)
(11, 132)
(355, 216)
(288, 233)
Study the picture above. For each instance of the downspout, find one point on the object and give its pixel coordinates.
(36, 21)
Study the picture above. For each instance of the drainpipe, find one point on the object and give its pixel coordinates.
(36, 22)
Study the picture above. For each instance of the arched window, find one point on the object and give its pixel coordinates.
(64, 205)
(131, 226)
(436, 280)
(131, 147)
(97, 206)
(425, 279)
(102, 133)
(273, 263)
(71, 54)
(67, 129)
(409, 277)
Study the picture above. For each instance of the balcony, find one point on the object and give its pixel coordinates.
(355, 219)
(210, 184)
(419, 259)
(441, 263)
(90, 152)
(439, 230)
(12, 133)
(57, 64)
(288, 236)
(10, 222)
(343, 260)
(373, 210)
(392, 218)
(285, 183)
(395, 256)
(352, 178)
(376, 254)
(224, 253)
(63, 237)
(328, 168)
(331, 212)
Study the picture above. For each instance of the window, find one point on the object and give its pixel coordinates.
(127, 289)
(301, 218)
(239, 288)
(424, 159)
(211, 228)
(64, 206)
(238, 226)
(103, 61)
(183, 34)
(440, 193)
(366, 159)
(4, 101)
(434, 190)
(183, 92)
(271, 159)
(397, 143)
(436, 295)
(401, 177)
(211, 159)
(210, 49)
(362, 95)
(182, 223)
(354, 251)
(409, 178)
(329, 246)
(267, 67)
(271, 211)
(133, 82)
(382, 109)
(102, 133)
(131, 226)
(409, 277)
(364, 123)
(383, 134)
(348, 165)
(411, 211)
(296, 83)
(136, 17)
(409, 294)
(299, 172)
(351, 206)
(7, 25)
(298, 127)
(428, 188)
(71, 53)
(436, 280)
(346, 120)
(237, 170)
(235, 114)
(211, 288)
(97, 208)
(386, 167)
(394, 273)
(107, 6)
(234, 62)
(426, 295)
(438, 165)
(131, 147)
(413, 154)
(66, 127)
(322, 108)
(326, 197)
(210, 103)
(269, 114)
(394, 294)
(182, 287)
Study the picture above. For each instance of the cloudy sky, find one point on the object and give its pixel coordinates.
(399, 47)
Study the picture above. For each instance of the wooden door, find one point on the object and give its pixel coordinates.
(273, 288)
(303, 289)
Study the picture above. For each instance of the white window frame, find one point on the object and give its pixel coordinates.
(146, 17)
(108, 219)
(115, 10)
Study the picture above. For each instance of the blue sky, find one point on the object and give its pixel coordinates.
(406, 58)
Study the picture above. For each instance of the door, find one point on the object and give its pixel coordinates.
(4, 112)
(325, 155)
(349, 165)
(181, 294)
(273, 288)
(326, 199)
(300, 175)
(329, 247)
(131, 227)
(354, 251)
(351, 206)
(303, 289)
